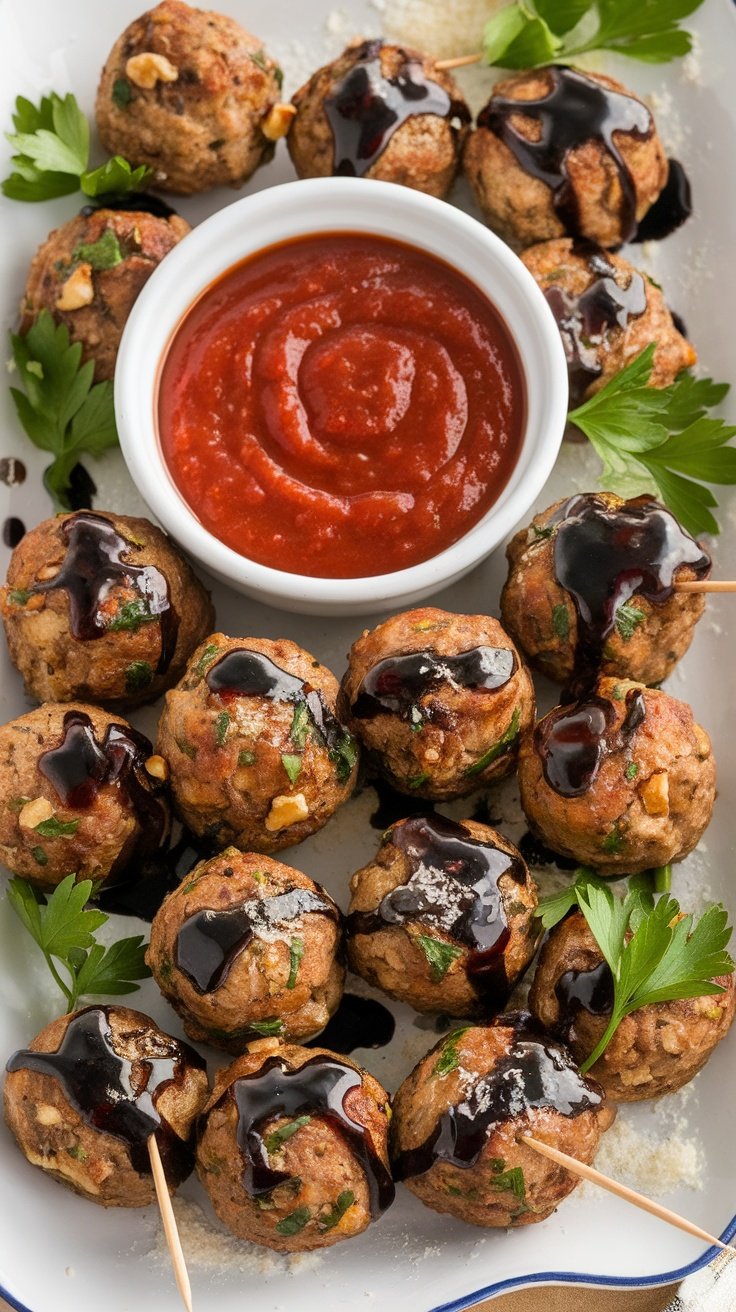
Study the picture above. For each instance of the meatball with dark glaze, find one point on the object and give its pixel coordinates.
(443, 917)
(558, 152)
(458, 1121)
(112, 1067)
(380, 111)
(258, 758)
(188, 92)
(622, 780)
(607, 313)
(292, 1147)
(591, 588)
(81, 792)
(247, 946)
(655, 1050)
(101, 607)
(438, 700)
(89, 272)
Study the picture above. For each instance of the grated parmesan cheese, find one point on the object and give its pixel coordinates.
(442, 30)
(214, 1250)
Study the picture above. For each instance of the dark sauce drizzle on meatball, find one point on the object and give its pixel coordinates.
(114, 1094)
(319, 1088)
(357, 1023)
(576, 109)
(395, 685)
(535, 1072)
(454, 887)
(366, 108)
(583, 990)
(140, 202)
(93, 565)
(671, 208)
(573, 741)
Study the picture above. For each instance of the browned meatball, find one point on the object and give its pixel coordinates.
(655, 1050)
(581, 156)
(623, 781)
(80, 793)
(459, 1117)
(247, 946)
(438, 700)
(583, 555)
(443, 918)
(111, 1067)
(257, 756)
(101, 607)
(89, 272)
(187, 91)
(292, 1147)
(413, 137)
(608, 313)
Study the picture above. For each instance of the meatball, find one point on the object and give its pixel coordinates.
(438, 700)
(623, 781)
(293, 1147)
(580, 156)
(111, 1067)
(459, 1117)
(257, 756)
(80, 792)
(380, 111)
(101, 607)
(188, 92)
(443, 918)
(607, 312)
(247, 946)
(590, 588)
(655, 1050)
(89, 272)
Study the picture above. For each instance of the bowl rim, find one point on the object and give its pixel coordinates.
(442, 229)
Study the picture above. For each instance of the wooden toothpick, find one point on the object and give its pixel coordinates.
(460, 62)
(169, 1223)
(622, 1191)
(707, 585)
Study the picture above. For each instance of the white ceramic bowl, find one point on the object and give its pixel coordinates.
(330, 205)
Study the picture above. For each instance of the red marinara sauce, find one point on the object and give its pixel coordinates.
(341, 405)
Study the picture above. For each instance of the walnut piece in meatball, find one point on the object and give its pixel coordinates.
(111, 1067)
(623, 780)
(591, 589)
(438, 700)
(101, 607)
(247, 946)
(258, 758)
(188, 92)
(459, 1117)
(293, 1147)
(560, 152)
(655, 1050)
(380, 111)
(89, 272)
(607, 313)
(443, 918)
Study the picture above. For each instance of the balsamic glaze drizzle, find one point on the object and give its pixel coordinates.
(671, 208)
(138, 202)
(357, 1023)
(396, 684)
(574, 740)
(583, 990)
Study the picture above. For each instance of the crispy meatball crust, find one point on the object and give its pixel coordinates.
(627, 824)
(118, 667)
(423, 153)
(393, 960)
(520, 207)
(461, 726)
(53, 1136)
(92, 291)
(656, 1049)
(317, 1158)
(186, 91)
(105, 831)
(470, 1193)
(237, 790)
(267, 981)
(530, 609)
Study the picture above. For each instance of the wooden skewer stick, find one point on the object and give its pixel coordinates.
(707, 585)
(460, 62)
(169, 1223)
(621, 1191)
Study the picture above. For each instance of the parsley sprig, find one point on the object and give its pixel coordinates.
(662, 436)
(655, 954)
(64, 928)
(531, 33)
